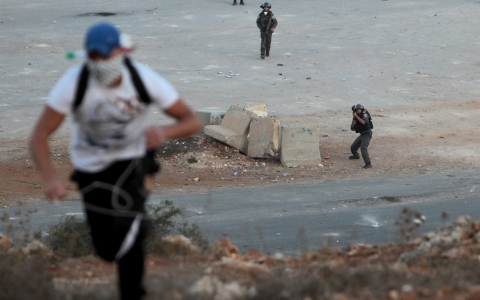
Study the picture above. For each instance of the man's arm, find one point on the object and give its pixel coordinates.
(259, 23)
(187, 124)
(358, 118)
(274, 23)
(352, 126)
(48, 122)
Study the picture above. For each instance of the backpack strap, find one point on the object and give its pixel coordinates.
(137, 82)
(81, 87)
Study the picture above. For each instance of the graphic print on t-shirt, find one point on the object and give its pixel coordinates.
(106, 124)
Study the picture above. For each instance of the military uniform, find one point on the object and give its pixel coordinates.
(265, 22)
(363, 140)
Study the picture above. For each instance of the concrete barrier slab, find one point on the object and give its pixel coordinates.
(260, 138)
(300, 146)
(233, 129)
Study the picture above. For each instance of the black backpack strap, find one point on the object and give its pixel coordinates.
(137, 82)
(81, 88)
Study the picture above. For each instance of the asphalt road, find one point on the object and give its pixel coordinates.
(297, 217)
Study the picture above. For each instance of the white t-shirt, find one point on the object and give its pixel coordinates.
(109, 123)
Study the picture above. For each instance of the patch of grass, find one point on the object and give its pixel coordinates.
(70, 238)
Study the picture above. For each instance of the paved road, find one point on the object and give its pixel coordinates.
(380, 53)
(339, 212)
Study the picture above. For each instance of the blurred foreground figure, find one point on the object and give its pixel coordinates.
(112, 145)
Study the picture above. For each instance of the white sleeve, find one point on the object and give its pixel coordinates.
(162, 92)
(61, 96)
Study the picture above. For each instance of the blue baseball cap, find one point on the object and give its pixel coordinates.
(102, 38)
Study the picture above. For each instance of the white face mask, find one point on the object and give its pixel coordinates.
(106, 71)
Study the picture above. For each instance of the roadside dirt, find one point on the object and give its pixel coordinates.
(419, 139)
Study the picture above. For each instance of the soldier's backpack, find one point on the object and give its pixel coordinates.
(369, 118)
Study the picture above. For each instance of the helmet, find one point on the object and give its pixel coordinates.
(266, 4)
(357, 106)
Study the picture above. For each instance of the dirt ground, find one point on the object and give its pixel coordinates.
(419, 139)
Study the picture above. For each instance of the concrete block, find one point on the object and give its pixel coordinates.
(260, 138)
(210, 117)
(276, 136)
(233, 129)
(300, 146)
(259, 110)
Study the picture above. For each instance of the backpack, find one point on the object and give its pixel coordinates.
(137, 82)
(369, 118)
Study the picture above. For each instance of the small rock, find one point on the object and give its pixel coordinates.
(279, 65)
(224, 248)
(179, 244)
(54, 22)
(309, 77)
(35, 247)
(196, 179)
(407, 288)
(5, 242)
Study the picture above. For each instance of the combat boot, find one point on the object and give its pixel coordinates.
(234, 2)
(262, 54)
(241, 2)
(267, 54)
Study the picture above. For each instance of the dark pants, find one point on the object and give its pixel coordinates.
(362, 142)
(266, 41)
(114, 201)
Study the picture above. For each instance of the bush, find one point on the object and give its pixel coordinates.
(163, 224)
(70, 238)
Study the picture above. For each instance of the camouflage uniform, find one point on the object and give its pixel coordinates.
(265, 33)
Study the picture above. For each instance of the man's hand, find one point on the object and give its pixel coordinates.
(155, 137)
(54, 190)
(272, 29)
